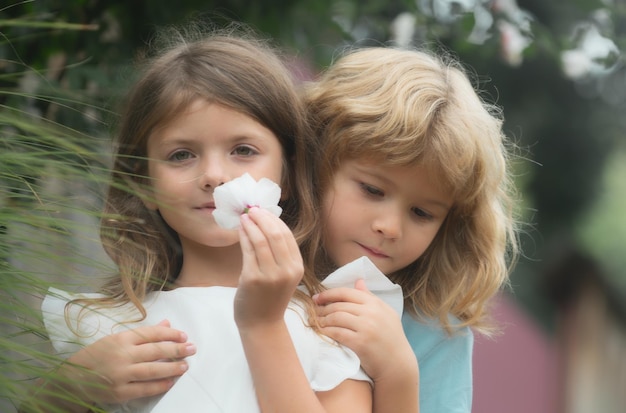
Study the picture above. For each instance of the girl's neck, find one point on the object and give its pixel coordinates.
(209, 267)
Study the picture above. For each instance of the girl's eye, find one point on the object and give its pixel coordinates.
(181, 155)
(371, 190)
(420, 213)
(244, 151)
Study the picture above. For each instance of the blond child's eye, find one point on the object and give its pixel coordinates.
(371, 190)
(420, 213)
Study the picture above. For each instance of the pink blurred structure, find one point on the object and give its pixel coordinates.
(517, 371)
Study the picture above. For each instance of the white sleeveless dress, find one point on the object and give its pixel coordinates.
(218, 379)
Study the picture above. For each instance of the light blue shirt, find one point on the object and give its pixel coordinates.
(445, 365)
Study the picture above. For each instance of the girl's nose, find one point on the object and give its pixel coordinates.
(212, 176)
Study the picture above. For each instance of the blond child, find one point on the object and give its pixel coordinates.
(414, 174)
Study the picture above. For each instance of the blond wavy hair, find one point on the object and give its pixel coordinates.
(408, 107)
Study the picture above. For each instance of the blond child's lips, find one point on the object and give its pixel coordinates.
(374, 251)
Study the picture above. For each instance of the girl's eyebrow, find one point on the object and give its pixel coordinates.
(234, 138)
(175, 140)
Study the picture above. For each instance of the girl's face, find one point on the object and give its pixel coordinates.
(390, 214)
(204, 147)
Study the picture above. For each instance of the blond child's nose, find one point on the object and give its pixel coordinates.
(388, 225)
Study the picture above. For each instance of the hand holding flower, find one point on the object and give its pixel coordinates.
(272, 269)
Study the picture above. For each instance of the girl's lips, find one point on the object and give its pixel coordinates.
(210, 205)
(374, 252)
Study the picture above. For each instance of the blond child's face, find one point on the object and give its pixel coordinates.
(390, 214)
(204, 147)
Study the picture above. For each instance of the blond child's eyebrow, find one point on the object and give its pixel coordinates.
(437, 203)
(374, 173)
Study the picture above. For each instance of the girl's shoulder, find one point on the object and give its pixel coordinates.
(72, 320)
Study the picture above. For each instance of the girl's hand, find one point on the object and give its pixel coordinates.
(363, 322)
(272, 269)
(132, 364)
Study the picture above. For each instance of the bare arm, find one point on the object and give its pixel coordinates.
(272, 269)
(361, 321)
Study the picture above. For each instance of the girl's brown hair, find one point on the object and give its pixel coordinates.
(232, 67)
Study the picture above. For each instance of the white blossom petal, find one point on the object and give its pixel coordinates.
(235, 198)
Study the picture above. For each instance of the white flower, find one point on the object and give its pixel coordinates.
(513, 42)
(237, 196)
(591, 55)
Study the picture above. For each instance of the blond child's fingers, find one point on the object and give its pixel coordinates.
(340, 294)
(138, 390)
(157, 371)
(343, 336)
(338, 307)
(151, 334)
(162, 351)
(362, 286)
(340, 319)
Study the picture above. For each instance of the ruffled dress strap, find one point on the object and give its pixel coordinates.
(71, 326)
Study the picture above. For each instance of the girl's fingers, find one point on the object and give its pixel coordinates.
(257, 244)
(244, 240)
(273, 242)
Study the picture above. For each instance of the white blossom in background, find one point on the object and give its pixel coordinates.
(512, 42)
(446, 10)
(236, 197)
(513, 24)
(403, 29)
(514, 27)
(587, 58)
(511, 11)
(483, 21)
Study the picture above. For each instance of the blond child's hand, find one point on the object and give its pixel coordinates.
(272, 269)
(366, 324)
(128, 365)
